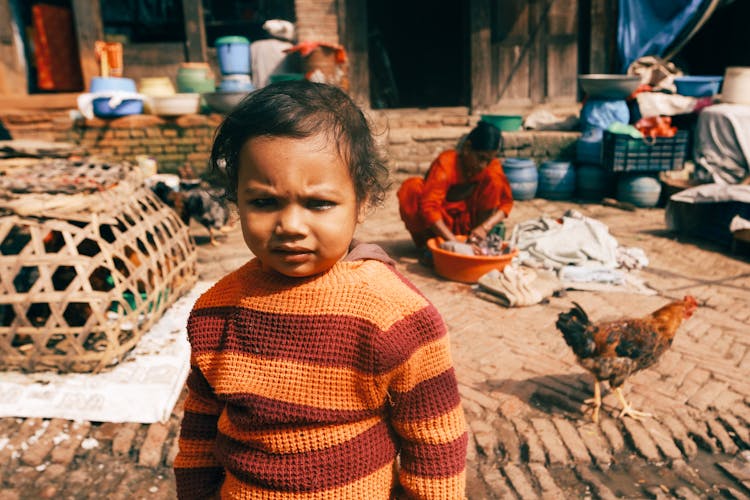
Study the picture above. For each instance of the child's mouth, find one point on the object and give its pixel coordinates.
(292, 254)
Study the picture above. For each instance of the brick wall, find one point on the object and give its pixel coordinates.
(171, 142)
(317, 20)
(411, 139)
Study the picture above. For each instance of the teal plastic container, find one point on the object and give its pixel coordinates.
(593, 182)
(234, 55)
(557, 180)
(641, 190)
(523, 177)
(506, 123)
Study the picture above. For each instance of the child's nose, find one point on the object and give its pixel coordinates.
(291, 220)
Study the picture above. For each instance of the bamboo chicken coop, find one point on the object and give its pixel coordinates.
(90, 259)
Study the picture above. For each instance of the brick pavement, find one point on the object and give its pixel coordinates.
(522, 389)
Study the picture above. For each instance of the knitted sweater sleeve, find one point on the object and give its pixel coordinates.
(426, 413)
(197, 472)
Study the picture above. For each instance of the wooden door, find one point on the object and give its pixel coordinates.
(524, 52)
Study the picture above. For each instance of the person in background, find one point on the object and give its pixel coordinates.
(268, 56)
(317, 369)
(465, 191)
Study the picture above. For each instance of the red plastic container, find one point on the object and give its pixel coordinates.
(465, 268)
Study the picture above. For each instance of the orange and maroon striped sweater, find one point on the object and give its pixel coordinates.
(335, 386)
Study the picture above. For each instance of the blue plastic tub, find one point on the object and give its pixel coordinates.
(523, 177)
(557, 180)
(698, 86)
(642, 190)
(127, 107)
(594, 182)
(234, 85)
(589, 147)
(234, 55)
(111, 83)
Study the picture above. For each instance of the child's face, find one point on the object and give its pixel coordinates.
(297, 203)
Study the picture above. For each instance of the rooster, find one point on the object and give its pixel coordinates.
(196, 200)
(614, 350)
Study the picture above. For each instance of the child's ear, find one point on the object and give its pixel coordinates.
(362, 212)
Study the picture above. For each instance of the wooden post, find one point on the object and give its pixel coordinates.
(195, 31)
(89, 29)
(352, 27)
(12, 60)
(602, 49)
(480, 15)
(537, 50)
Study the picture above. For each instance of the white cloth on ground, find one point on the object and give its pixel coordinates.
(584, 248)
(631, 258)
(517, 286)
(575, 239)
(591, 273)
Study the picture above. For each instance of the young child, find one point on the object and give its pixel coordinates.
(317, 370)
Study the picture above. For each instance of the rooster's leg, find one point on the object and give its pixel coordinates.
(628, 410)
(596, 400)
(231, 223)
(212, 238)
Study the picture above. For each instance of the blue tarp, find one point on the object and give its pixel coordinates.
(649, 27)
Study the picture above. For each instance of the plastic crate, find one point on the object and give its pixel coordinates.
(623, 153)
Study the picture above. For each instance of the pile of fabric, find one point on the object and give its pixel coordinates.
(570, 252)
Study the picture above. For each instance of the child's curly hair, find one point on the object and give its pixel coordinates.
(300, 109)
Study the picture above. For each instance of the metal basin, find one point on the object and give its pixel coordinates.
(223, 102)
(606, 86)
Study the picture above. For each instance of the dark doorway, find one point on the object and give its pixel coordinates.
(418, 52)
(722, 42)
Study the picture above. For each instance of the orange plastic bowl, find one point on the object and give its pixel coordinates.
(465, 268)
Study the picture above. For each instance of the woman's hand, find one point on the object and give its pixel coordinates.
(441, 229)
(478, 234)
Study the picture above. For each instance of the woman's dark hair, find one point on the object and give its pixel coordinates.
(301, 109)
(485, 137)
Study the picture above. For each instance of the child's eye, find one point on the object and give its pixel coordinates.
(262, 202)
(320, 204)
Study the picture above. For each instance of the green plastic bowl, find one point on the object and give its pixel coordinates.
(285, 77)
(506, 123)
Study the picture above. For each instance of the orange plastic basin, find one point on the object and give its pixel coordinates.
(465, 268)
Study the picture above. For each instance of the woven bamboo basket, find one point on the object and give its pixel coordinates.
(84, 274)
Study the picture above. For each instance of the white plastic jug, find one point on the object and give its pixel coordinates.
(736, 88)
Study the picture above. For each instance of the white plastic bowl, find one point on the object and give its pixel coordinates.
(175, 105)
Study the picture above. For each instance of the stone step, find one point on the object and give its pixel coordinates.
(412, 149)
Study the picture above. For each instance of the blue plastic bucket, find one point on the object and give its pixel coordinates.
(698, 86)
(557, 180)
(234, 55)
(523, 177)
(102, 109)
(639, 189)
(593, 182)
(589, 147)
